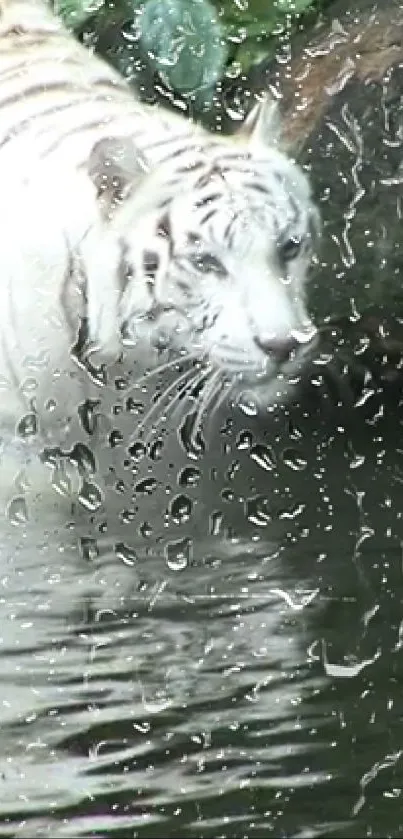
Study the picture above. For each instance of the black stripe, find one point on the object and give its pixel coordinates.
(208, 216)
(19, 127)
(208, 199)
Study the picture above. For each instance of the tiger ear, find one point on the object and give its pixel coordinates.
(262, 126)
(115, 167)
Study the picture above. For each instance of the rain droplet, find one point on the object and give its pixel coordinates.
(263, 456)
(180, 509)
(29, 386)
(121, 383)
(134, 407)
(127, 516)
(125, 553)
(87, 416)
(247, 404)
(156, 450)
(115, 438)
(61, 481)
(292, 513)
(244, 440)
(189, 476)
(147, 486)
(137, 450)
(178, 554)
(51, 456)
(28, 425)
(90, 496)
(82, 456)
(17, 511)
(89, 548)
(215, 523)
(257, 510)
(232, 470)
(294, 460)
(146, 530)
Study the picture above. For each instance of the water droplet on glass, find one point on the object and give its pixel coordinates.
(263, 456)
(51, 456)
(156, 450)
(294, 460)
(89, 548)
(121, 383)
(137, 450)
(244, 440)
(147, 486)
(82, 456)
(215, 523)
(189, 476)
(90, 496)
(247, 404)
(115, 438)
(178, 554)
(125, 553)
(28, 425)
(17, 511)
(61, 481)
(29, 386)
(127, 516)
(88, 416)
(257, 510)
(180, 509)
(146, 530)
(292, 513)
(135, 407)
(232, 470)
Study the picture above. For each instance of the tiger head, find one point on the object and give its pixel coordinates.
(215, 250)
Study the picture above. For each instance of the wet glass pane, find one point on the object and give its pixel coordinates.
(201, 464)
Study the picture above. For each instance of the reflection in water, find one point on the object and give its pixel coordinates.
(231, 671)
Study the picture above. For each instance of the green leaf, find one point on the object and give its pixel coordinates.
(76, 12)
(185, 42)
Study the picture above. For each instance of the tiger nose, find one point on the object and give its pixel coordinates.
(281, 349)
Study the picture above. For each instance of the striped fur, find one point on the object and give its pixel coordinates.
(137, 221)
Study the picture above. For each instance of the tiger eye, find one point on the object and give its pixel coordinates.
(206, 263)
(290, 249)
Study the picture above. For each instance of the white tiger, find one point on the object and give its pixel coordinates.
(139, 224)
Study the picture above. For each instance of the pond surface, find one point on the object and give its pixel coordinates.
(242, 677)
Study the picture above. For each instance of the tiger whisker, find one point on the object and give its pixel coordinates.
(211, 387)
(225, 391)
(188, 390)
(162, 368)
(174, 403)
(161, 399)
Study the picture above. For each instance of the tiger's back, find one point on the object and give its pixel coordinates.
(56, 99)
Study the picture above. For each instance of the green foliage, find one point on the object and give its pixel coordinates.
(185, 42)
(192, 43)
(75, 12)
(251, 24)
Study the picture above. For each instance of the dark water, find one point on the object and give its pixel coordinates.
(241, 679)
